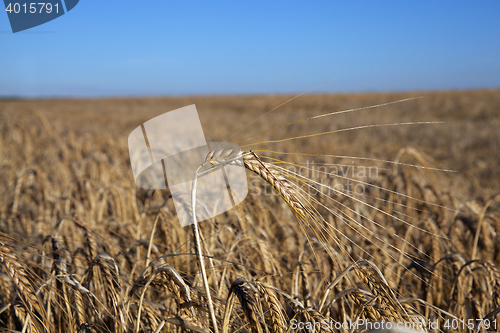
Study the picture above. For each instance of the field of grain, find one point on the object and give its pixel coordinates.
(83, 249)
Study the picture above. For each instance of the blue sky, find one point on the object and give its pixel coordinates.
(160, 47)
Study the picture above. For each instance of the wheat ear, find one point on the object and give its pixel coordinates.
(265, 170)
(16, 273)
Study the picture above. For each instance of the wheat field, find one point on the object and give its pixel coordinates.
(367, 216)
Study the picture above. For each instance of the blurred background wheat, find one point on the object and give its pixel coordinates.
(84, 249)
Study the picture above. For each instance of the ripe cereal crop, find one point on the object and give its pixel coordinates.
(362, 208)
